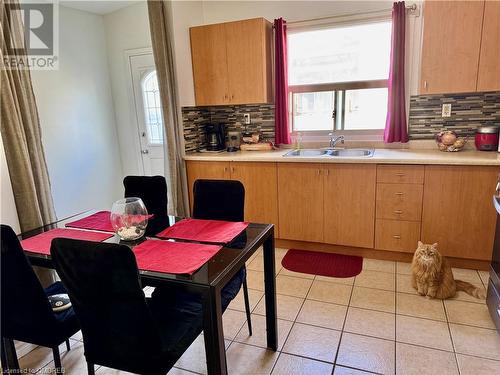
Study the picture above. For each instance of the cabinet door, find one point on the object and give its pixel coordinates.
(300, 201)
(350, 204)
(489, 62)
(450, 48)
(248, 60)
(216, 170)
(208, 54)
(458, 210)
(261, 191)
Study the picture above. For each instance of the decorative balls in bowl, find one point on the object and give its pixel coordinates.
(448, 141)
(129, 218)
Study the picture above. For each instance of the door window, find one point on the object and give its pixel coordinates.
(152, 108)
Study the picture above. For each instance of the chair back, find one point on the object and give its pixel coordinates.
(219, 200)
(153, 192)
(102, 280)
(26, 311)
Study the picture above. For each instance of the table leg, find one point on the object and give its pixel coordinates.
(9, 356)
(270, 290)
(213, 333)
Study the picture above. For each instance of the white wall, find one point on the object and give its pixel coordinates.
(8, 213)
(77, 118)
(126, 29)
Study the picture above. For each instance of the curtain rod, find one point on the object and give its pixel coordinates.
(413, 9)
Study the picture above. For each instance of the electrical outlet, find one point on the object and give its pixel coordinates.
(446, 111)
(246, 116)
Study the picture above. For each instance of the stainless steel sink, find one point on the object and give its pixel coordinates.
(336, 153)
(308, 152)
(352, 153)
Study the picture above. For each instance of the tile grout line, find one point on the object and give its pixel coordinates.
(451, 337)
(343, 325)
(293, 324)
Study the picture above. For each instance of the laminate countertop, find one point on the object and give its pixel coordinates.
(380, 156)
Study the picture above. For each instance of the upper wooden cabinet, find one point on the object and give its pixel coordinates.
(489, 61)
(451, 46)
(232, 62)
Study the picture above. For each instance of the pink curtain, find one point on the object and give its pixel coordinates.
(281, 83)
(395, 124)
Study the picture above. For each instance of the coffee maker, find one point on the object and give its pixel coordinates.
(216, 137)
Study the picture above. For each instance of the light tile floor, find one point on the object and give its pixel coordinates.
(373, 323)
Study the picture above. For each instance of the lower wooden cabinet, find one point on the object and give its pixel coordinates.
(397, 235)
(349, 204)
(214, 170)
(259, 180)
(386, 207)
(458, 211)
(261, 191)
(300, 201)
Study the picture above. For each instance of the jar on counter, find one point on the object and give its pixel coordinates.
(486, 138)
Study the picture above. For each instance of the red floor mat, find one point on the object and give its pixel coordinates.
(324, 264)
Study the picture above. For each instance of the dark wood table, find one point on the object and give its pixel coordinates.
(207, 281)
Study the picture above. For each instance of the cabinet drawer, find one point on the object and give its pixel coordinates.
(399, 201)
(397, 235)
(400, 174)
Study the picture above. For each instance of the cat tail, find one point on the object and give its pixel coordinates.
(470, 289)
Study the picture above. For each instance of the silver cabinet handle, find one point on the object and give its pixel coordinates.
(425, 84)
(327, 172)
(400, 193)
(232, 169)
(396, 236)
(398, 212)
(225, 169)
(144, 151)
(400, 174)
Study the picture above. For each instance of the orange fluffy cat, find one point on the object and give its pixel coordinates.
(432, 275)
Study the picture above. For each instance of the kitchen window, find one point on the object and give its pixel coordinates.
(337, 76)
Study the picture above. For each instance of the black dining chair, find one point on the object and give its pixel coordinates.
(26, 312)
(153, 192)
(222, 200)
(121, 328)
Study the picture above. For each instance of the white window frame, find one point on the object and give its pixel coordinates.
(328, 23)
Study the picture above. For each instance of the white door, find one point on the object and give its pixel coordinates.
(148, 113)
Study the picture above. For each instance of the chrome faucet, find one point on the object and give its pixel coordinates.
(334, 140)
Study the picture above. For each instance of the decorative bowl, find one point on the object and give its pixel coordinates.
(129, 218)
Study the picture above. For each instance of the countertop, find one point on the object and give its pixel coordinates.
(380, 156)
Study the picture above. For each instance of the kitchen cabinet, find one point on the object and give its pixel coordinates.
(397, 235)
(214, 170)
(208, 53)
(232, 62)
(451, 46)
(489, 60)
(458, 211)
(349, 204)
(259, 180)
(300, 201)
(261, 191)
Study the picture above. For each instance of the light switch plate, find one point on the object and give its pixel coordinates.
(246, 116)
(446, 111)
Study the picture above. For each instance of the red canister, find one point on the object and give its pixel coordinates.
(486, 138)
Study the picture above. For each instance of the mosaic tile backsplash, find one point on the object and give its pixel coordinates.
(196, 118)
(468, 111)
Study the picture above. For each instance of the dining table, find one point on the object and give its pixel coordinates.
(207, 281)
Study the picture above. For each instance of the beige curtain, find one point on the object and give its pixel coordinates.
(22, 140)
(21, 136)
(160, 21)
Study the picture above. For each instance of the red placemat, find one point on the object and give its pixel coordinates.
(99, 221)
(204, 230)
(173, 257)
(41, 242)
